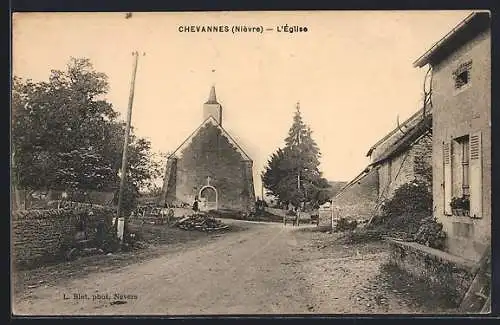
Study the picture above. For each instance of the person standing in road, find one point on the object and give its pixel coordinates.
(195, 205)
(297, 217)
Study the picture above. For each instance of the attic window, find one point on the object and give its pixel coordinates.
(462, 75)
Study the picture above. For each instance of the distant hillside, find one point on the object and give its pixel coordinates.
(336, 186)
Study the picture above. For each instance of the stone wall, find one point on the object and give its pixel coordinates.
(437, 267)
(40, 236)
(169, 182)
(405, 167)
(358, 201)
(41, 199)
(304, 215)
(395, 172)
(210, 154)
(422, 158)
(65, 204)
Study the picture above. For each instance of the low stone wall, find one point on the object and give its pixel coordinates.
(282, 213)
(40, 236)
(439, 268)
(182, 212)
(65, 204)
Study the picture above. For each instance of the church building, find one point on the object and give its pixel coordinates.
(211, 167)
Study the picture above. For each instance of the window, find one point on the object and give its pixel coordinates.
(462, 173)
(462, 75)
(463, 143)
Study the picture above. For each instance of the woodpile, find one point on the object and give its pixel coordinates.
(201, 222)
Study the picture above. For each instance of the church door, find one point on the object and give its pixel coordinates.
(208, 198)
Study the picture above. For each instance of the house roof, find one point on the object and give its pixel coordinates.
(356, 179)
(213, 121)
(468, 28)
(407, 140)
(402, 127)
(419, 130)
(336, 186)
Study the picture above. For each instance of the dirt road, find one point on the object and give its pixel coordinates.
(267, 269)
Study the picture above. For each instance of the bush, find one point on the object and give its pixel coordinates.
(410, 198)
(362, 236)
(430, 233)
(406, 222)
(345, 224)
(405, 210)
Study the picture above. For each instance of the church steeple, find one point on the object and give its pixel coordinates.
(212, 107)
(212, 98)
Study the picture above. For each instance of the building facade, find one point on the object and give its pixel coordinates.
(461, 97)
(209, 166)
(403, 155)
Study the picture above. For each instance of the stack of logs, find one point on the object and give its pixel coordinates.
(201, 222)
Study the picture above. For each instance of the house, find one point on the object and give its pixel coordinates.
(404, 154)
(461, 147)
(401, 156)
(211, 167)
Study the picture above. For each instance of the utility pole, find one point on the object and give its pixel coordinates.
(126, 142)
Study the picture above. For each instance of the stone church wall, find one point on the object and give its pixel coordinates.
(210, 154)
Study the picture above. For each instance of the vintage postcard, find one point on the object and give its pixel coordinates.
(263, 163)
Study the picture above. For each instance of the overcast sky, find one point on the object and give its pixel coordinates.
(352, 73)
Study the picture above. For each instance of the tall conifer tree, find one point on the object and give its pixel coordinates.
(293, 174)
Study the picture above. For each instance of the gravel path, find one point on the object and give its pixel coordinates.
(266, 269)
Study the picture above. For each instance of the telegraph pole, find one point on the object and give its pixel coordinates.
(126, 142)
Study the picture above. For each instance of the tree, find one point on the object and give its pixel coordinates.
(66, 136)
(292, 174)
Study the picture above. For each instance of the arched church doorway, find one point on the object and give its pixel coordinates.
(208, 198)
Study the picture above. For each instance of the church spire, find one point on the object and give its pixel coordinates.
(212, 99)
(212, 107)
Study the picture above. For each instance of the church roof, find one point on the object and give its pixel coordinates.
(213, 121)
(212, 98)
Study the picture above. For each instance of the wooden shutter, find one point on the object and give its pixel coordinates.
(475, 176)
(447, 176)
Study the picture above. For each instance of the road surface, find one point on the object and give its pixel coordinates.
(267, 269)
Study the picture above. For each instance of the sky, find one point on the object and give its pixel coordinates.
(351, 72)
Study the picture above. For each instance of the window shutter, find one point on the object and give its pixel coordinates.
(475, 176)
(447, 176)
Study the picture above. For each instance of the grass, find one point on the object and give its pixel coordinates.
(419, 292)
(320, 228)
